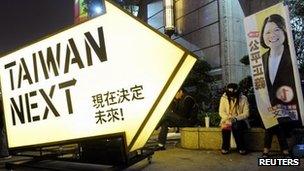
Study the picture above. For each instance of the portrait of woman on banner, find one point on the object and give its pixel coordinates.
(278, 69)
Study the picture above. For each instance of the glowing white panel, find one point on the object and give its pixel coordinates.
(108, 75)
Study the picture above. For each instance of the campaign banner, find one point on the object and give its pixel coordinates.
(110, 75)
(273, 66)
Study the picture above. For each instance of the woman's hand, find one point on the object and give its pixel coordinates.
(232, 119)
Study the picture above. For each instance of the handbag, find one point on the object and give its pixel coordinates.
(226, 126)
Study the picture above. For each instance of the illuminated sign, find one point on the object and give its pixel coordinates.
(109, 75)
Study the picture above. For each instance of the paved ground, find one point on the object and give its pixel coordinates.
(173, 158)
(176, 158)
(183, 159)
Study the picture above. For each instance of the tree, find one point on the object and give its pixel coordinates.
(296, 9)
(246, 88)
(245, 60)
(198, 83)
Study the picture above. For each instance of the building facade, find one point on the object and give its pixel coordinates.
(250, 7)
(212, 29)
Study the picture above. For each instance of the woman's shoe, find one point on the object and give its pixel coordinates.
(286, 155)
(160, 147)
(242, 152)
(224, 151)
(265, 155)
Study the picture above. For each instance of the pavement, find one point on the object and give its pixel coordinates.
(176, 158)
(173, 158)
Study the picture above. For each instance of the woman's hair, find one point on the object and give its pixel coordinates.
(233, 86)
(279, 21)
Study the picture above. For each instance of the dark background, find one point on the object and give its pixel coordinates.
(25, 21)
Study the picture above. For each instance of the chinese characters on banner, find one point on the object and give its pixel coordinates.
(106, 103)
(257, 66)
(274, 67)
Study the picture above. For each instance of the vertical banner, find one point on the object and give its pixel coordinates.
(273, 66)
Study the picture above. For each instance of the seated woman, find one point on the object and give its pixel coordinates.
(234, 111)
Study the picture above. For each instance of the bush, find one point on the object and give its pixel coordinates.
(215, 118)
(198, 83)
(246, 88)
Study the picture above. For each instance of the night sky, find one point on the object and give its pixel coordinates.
(24, 21)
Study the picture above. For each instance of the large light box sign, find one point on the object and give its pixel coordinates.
(109, 75)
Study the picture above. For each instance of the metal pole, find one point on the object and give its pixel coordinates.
(169, 17)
